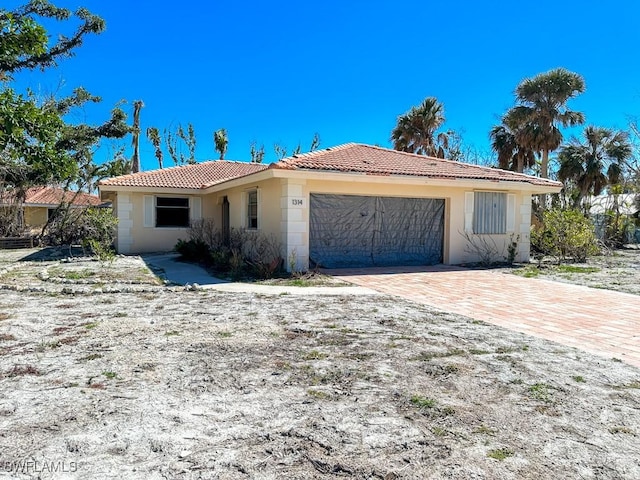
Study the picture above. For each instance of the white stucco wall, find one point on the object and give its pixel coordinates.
(124, 212)
(294, 205)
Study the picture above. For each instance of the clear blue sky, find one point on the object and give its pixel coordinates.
(280, 71)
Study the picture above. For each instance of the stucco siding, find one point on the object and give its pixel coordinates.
(35, 216)
(135, 237)
(477, 248)
(269, 213)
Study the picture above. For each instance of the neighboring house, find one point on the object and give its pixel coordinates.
(41, 202)
(351, 205)
(623, 204)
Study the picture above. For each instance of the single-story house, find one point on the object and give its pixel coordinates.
(41, 202)
(350, 205)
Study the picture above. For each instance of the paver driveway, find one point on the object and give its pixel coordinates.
(599, 321)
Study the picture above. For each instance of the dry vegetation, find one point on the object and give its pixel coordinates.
(618, 270)
(167, 383)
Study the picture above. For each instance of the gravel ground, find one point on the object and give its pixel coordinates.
(105, 373)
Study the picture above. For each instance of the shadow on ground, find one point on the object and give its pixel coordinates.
(169, 267)
(48, 254)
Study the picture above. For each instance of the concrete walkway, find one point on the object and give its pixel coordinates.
(180, 273)
(168, 266)
(603, 322)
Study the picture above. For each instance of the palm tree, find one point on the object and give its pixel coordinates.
(596, 163)
(415, 131)
(221, 141)
(511, 155)
(153, 134)
(135, 160)
(542, 108)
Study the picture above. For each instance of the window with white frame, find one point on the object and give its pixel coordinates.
(490, 213)
(172, 212)
(252, 209)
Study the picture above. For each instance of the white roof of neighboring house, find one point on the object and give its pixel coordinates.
(625, 201)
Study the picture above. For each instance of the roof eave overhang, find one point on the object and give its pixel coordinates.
(138, 189)
(324, 175)
(54, 205)
(469, 183)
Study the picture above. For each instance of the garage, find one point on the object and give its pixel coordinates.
(366, 231)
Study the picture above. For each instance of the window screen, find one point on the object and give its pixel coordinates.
(252, 209)
(490, 213)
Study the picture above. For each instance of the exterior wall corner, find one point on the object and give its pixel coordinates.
(294, 205)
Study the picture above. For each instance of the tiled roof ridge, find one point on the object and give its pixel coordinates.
(253, 164)
(290, 162)
(199, 175)
(343, 146)
(409, 154)
(173, 167)
(321, 151)
(315, 153)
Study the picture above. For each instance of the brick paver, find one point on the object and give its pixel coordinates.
(599, 321)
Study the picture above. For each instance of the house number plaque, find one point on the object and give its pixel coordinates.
(297, 202)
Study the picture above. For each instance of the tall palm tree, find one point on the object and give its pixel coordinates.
(415, 131)
(221, 141)
(135, 160)
(596, 163)
(153, 134)
(511, 155)
(542, 108)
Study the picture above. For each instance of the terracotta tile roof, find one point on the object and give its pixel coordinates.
(367, 159)
(54, 196)
(347, 158)
(199, 175)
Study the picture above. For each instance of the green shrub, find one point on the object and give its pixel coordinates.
(193, 250)
(100, 225)
(619, 229)
(564, 235)
(220, 259)
(93, 228)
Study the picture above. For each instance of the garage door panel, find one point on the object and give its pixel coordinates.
(352, 231)
(340, 226)
(411, 231)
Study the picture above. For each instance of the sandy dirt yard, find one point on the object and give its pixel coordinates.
(106, 373)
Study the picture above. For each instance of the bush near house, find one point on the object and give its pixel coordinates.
(615, 216)
(618, 229)
(93, 228)
(566, 235)
(245, 253)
